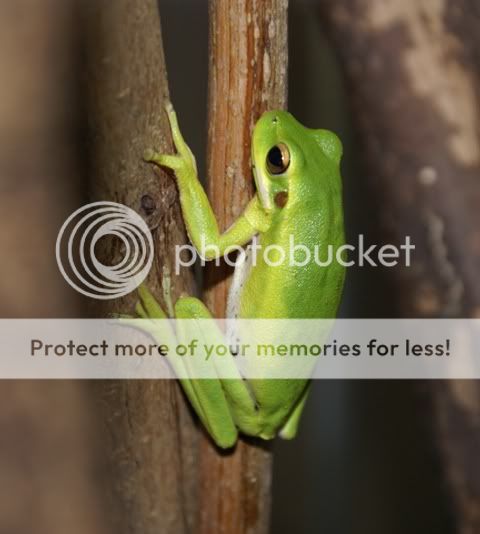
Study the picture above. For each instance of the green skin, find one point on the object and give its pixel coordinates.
(312, 215)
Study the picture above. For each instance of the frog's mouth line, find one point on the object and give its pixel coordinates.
(261, 189)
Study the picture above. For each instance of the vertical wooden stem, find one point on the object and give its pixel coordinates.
(247, 75)
(148, 428)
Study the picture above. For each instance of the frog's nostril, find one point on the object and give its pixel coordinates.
(275, 119)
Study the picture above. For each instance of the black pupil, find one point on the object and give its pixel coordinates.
(275, 157)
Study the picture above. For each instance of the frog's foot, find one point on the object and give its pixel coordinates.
(164, 160)
(148, 307)
(125, 319)
(120, 316)
(289, 429)
(149, 310)
(184, 160)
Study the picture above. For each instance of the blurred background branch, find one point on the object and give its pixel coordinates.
(51, 462)
(413, 76)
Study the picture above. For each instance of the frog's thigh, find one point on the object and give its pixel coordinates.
(149, 308)
(289, 429)
(212, 404)
(240, 400)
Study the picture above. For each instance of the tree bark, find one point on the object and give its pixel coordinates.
(413, 74)
(149, 429)
(247, 75)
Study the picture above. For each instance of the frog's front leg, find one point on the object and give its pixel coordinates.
(202, 226)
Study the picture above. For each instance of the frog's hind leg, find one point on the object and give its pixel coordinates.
(239, 399)
(206, 396)
(148, 308)
(212, 405)
(223, 404)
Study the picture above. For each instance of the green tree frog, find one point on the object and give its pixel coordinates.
(299, 194)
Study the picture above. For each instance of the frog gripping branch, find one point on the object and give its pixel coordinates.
(299, 194)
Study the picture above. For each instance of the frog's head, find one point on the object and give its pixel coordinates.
(290, 159)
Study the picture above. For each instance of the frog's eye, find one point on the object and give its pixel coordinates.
(278, 159)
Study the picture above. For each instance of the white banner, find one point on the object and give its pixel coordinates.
(250, 349)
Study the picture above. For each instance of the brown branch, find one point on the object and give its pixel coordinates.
(247, 75)
(148, 426)
(413, 74)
